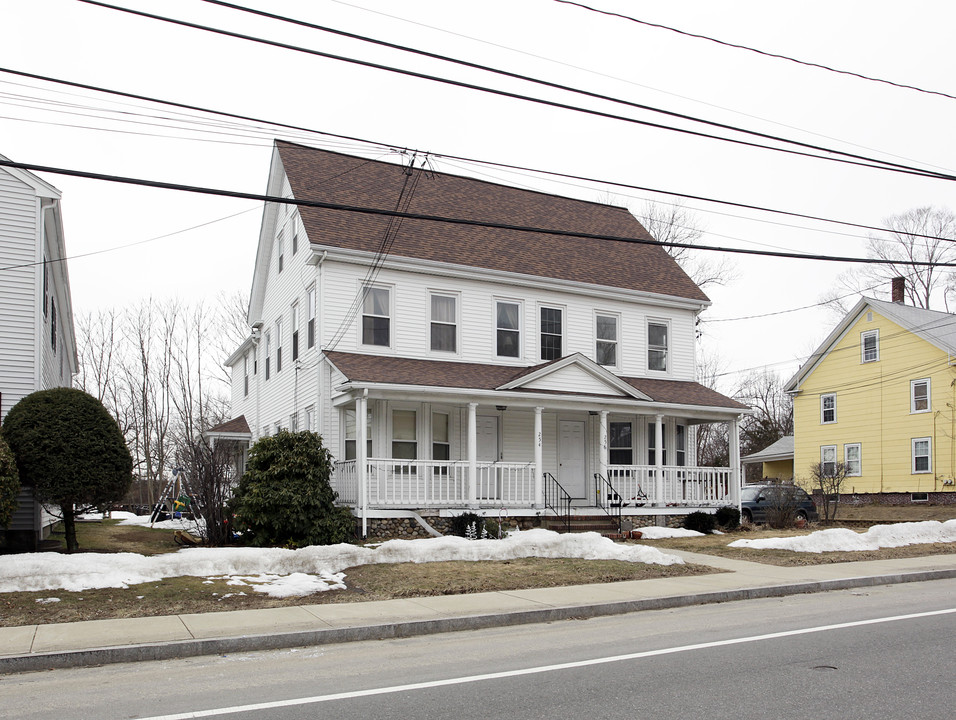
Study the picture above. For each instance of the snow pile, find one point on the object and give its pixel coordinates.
(652, 532)
(114, 515)
(843, 540)
(190, 526)
(299, 572)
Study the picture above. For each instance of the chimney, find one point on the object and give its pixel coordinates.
(899, 290)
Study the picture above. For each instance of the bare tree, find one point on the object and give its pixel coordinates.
(828, 478)
(211, 477)
(675, 223)
(712, 440)
(773, 413)
(922, 235)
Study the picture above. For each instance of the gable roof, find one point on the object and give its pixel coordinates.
(935, 327)
(344, 179)
(780, 450)
(390, 370)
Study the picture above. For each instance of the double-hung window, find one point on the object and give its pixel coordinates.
(620, 443)
(652, 445)
(376, 317)
(853, 459)
(919, 396)
(680, 435)
(551, 333)
(295, 332)
(245, 374)
(350, 432)
(922, 455)
(507, 319)
(441, 445)
(828, 408)
(268, 353)
(870, 346)
(280, 250)
(605, 331)
(444, 323)
(404, 434)
(311, 326)
(828, 460)
(310, 418)
(657, 346)
(279, 345)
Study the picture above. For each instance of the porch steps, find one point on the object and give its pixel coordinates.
(583, 523)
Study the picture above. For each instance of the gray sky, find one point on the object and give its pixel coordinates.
(83, 130)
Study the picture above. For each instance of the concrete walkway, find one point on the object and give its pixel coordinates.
(97, 642)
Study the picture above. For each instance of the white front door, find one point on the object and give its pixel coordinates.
(489, 487)
(571, 469)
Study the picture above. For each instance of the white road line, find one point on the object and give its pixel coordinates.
(535, 670)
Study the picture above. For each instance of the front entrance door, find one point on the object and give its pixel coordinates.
(571, 470)
(487, 452)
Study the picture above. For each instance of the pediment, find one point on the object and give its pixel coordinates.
(574, 374)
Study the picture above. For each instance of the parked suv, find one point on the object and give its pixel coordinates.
(755, 500)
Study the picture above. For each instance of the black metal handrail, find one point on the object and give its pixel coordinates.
(557, 499)
(608, 498)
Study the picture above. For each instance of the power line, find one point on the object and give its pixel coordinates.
(489, 163)
(765, 53)
(439, 218)
(845, 157)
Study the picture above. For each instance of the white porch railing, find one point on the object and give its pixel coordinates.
(435, 483)
(680, 486)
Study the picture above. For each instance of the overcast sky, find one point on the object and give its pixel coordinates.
(78, 129)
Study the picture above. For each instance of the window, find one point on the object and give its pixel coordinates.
(828, 408)
(870, 346)
(295, 242)
(350, 434)
(605, 351)
(311, 328)
(376, 317)
(441, 447)
(309, 419)
(268, 353)
(681, 449)
(922, 447)
(828, 460)
(404, 435)
(657, 346)
(620, 443)
(255, 359)
(550, 333)
(852, 458)
(444, 323)
(919, 395)
(276, 429)
(245, 374)
(46, 287)
(652, 445)
(279, 251)
(507, 317)
(53, 324)
(295, 332)
(278, 345)
(294, 422)
(919, 497)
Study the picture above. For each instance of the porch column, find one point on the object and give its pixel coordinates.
(603, 451)
(538, 459)
(361, 457)
(473, 454)
(659, 459)
(733, 434)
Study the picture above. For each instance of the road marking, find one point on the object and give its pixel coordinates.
(535, 670)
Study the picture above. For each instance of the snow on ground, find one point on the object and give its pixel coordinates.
(652, 532)
(842, 539)
(190, 526)
(288, 573)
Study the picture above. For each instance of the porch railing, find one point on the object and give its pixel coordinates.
(608, 498)
(679, 486)
(557, 500)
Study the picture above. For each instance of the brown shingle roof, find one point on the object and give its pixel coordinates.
(344, 179)
(478, 376)
(236, 425)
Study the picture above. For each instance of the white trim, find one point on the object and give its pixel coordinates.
(390, 288)
(929, 395)
(456, 296)
(846, 458)
(823, 408)
(586, 364)
(823, 461)
(668, 348)
(541, 306)
(520, 330)
(929, 455)
(616, 316)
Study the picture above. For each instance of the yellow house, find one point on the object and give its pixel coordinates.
(879, 395)
(776, 460)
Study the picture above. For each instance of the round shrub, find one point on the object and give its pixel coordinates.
(285, 499)
(9, 484)
(727, 517)
(701, 522)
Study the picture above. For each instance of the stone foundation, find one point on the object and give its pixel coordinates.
(894, 498)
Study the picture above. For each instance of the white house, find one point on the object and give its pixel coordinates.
(496, 370)
(37, 341)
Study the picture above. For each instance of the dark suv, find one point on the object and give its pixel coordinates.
(755, 500)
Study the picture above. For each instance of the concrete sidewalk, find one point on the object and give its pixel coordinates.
(97, 642)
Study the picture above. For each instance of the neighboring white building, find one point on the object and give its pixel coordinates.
(495, 368)
(37, 341)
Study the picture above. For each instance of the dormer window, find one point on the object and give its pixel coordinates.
(870, 346)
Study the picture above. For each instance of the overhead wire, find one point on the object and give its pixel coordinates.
(842, 156)
(444, 219)
(765, 53)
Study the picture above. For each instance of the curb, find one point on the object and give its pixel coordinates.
(250, 643)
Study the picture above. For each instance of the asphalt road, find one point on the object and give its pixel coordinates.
(885, 652)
